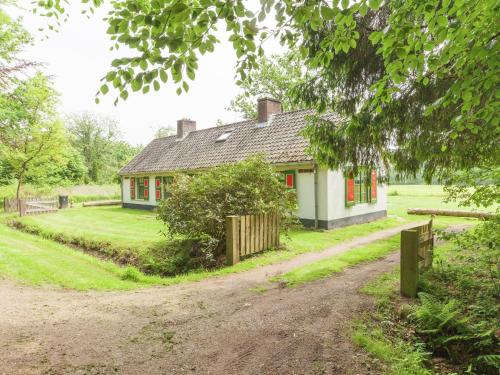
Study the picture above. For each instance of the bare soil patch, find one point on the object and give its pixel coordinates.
(218, 326)
(224, 325)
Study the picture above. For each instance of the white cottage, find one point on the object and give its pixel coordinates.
(326, 198)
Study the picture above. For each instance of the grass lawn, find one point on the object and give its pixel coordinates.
(337, 263)
(122, 227)
(135, 230)
(34, 260)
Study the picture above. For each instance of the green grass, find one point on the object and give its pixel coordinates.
(136, 229)
(401, 356)
(33, 260)
(123, 228)
(337, 263)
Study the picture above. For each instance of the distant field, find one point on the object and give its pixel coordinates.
(417, 190)
(77, 193)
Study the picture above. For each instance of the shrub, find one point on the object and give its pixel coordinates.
(458, 315)
(198, 205)
(131, 274)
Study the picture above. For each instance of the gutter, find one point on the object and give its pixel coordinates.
(315, 196)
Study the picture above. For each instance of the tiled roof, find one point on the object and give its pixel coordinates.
(279, 140)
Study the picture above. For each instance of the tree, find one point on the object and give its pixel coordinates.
(417, 80)
(164, 131)
(93, 137)
(276, 77)
(97, 139)
(13, 37)
(32, 138)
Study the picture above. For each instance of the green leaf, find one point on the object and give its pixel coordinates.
(124, 94)
(136, 84)
(327, 13)
(104, 89)
(163, 76)
(374, 4)
(156, 85)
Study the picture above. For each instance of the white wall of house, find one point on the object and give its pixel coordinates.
(336, 199)
(330, 195)
(151, 201)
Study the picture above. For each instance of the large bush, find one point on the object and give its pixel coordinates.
(198, 205)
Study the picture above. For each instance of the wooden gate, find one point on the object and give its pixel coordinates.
(416, 255)
(249, 234)
(35, 206)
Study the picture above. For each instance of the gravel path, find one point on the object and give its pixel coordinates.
(216, 326)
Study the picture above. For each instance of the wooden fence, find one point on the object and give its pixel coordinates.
(249, 234)
(11, 205)
(31, 206)
(416, 255)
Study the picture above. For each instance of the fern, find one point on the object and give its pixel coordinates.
(492, 360)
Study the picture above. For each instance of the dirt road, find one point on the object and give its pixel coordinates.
(217, 326)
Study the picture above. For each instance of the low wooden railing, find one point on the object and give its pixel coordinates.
(31, 206)
(416, 255)
(249, 234)
(10, 205)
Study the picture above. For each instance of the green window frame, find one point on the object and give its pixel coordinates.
(141, 187)
(289, 178)
(359, 187)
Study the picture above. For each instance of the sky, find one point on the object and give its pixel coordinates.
(78, 56)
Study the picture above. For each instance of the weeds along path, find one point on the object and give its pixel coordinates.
(216, 326)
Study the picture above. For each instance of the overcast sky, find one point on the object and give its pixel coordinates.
(78, 56)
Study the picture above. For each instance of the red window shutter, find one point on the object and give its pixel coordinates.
(146, 182)
(374, 185)
(146, 193)
(157, 182)
(349, 186)
(350, 189)
(158, 195)
(132, 188)
(289, 180)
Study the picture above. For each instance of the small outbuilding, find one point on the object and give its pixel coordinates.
(326, 198)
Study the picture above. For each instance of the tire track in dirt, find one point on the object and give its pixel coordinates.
(215, 326)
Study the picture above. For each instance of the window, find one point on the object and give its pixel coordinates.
(142, 184)
(288, 178)
(224, 135)
(361, 188)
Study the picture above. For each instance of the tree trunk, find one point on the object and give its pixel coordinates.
(457, 213)
(19, 183)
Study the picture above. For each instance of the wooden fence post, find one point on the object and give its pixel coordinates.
(409, 263)
(22, 207)
(232, 240)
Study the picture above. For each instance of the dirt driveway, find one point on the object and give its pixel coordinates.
(217, 326)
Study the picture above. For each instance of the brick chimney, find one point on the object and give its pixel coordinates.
(185, 126)
(267, 107)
